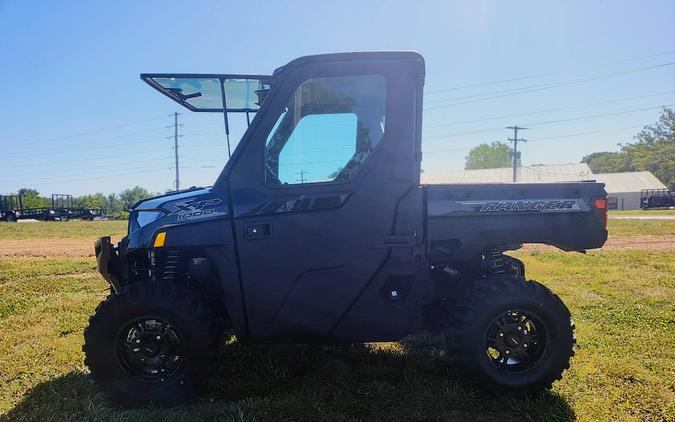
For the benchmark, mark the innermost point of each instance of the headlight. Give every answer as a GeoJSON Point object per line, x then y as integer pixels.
{"type": "Point", "coordinates": [143, 218]}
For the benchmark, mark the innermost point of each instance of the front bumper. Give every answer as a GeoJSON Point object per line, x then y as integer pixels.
{"type": "Point", "coordinates": [108, 261]}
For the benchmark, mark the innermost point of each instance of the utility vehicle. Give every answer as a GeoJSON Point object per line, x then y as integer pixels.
{"type": "Point", "coordinates": [318, 230]}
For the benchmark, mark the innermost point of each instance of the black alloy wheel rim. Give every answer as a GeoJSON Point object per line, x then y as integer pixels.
{"type": "Point", "coordinates": [516, 341]}
{"type": "Point", "coordinates": [149, 350]}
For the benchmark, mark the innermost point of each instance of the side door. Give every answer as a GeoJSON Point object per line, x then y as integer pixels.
{"type": "Point", "coordinates": [316, 186]}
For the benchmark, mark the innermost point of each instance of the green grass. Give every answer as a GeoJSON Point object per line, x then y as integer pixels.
{"type": "Point", "coordinates": [95, 229]}
{"type": "Point", "coordinates": [643, 213]}
{"type": "Point", "coordinates": [57, 229]}
{"type": "Point", "coordinates": [641, 227]}
{"type": "Point", "coordinates": [623, 303]}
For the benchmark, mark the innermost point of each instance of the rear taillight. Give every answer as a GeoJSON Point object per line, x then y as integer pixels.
{"type": "Point", "coordinates": [600, 209]}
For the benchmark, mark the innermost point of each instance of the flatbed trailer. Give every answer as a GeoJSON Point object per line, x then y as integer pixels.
{"type": "Point", "coordinates": [61, 209]}
{"type": "Point", "coordinates": [63, 205]}
{"type": "Point", "coordinates": [656, 198]}
{"type": "Point", "coordinates": [10, 206]}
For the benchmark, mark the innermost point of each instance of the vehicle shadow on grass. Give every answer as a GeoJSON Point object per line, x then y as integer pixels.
{"type": "Point", "coordinates": [307, 382]}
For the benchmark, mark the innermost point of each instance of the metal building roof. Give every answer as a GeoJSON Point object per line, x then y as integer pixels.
{"type": "Point", "coordinates": [526, 174]}
{"type": "Point", "coordinates": [633, 181]}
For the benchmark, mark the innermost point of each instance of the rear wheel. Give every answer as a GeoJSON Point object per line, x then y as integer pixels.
{"type": "Point", "coordinates": [10, 217]}
{"type": "Point", "coordinates": [151, 343]}
{"type": "Point", "coordinates": [512, 336]}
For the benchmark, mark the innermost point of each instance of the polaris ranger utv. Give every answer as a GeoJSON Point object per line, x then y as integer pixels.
{"type": "Point", "coordinates": [318, 230]}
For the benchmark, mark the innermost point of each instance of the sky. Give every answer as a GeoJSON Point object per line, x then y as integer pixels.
{"type": "Point", "coordinates": [75, 117]}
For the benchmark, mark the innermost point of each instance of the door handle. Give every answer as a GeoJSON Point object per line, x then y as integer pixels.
{"type": "Point", "coordinates": [257, 230]}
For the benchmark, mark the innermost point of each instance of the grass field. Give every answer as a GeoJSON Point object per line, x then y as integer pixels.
{"type": "Point", "coordinates": [641, 227]}
{"type": "Point", "coordinates": [623, 303]}
{"type": "Point", "coordinates": [89, 230]}
{"type": "Point", "coordinates": [643, 213]}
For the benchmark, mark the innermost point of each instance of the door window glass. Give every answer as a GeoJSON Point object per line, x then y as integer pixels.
{"type": "Point", "coordinates": [327, 131]}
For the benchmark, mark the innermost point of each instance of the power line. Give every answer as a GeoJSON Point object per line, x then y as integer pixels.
{"type": "Point", "coordinates": [106, 158]}
{"type": "Point", "coordinates": [61, 149]}
{"type": "Point", "coordinates": [115, 127]}
{"type": "Point", "coordinates": [570, 135]}
{"type": "Point", "coordinates": [481, 131]}
{"type": "Point", "coordinates": [91, 132]}
{"type": "Point", "coordinates": [508, 116]}
{"type": "Point", "coordinates": [78, 169]}
{"type": "Point", "coordinates": [548, 123]}
{"type": "Point", "coordinates": [585, 133]}
{"type": "Point", "coordinates": [205, 134]}
{"type": "Point", "coordinates": [504, 116]}
{"type": "Point", "coordinates": [426, 138]}
{"type": "Point", "coordinates": [533, 88]}
{"type": "Point", "coordinates": [512, 92]}
{"type": "Point", "coordinates": [449, 149]}
{"type": "Point", "coordinates": [80, 179]}
{"type": "Point", "coordinates": [552, 173]}
{"type": "Point", "coordinates": [145, 169]}
{"type": "Point", "coordinates": [555, 84]}
{"type": "Point", "coordinates": [538, 75]}
{"type": "Point", "coordinates": [595, 116]}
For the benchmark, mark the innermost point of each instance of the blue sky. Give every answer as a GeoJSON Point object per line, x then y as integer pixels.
{"type": "Point", "coordinates": [75, 117]}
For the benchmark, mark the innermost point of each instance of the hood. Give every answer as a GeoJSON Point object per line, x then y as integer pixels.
{"type": "Point", "coordinates": [195, 205]}
{"type": "Point", "coordinates": [156, 202]}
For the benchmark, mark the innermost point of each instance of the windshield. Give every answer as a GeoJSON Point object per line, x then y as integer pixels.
{"type": "Point", "coordinates": [212, 93]}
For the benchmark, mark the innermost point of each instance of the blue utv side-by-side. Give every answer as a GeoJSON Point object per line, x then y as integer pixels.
{"type": "Point", "coordinates": [318, 230]}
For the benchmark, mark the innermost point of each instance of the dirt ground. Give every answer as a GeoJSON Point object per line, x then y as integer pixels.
{"type": "Point", "coordinates": [643, 242]}
{"type": "Point", "coordinates": [642, 217]}
{"type": "Point", "coordinates": [46, 248]}
{"type": "Point", "coordinates": [82, 248]}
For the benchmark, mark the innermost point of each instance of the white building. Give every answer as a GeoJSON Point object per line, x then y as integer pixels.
{"type": "Point", "coordinates": [525, 174]}
{"type": "Point", "coordinates": [623, 189]}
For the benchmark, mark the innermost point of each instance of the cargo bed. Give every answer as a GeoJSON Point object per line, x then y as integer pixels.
{"type": "Point", "coordinates": [463, 218]}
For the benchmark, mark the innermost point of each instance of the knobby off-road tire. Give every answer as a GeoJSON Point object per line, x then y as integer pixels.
{"type": "Point", "coordinates": [500, 316]}
{"type": "Point", "coordinates": [186, 333]}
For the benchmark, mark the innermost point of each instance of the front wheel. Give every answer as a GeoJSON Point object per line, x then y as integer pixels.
{"type": "Point", "coordinates": [151, 343]}
{"type": "Point", "coordinates": [512, 336]}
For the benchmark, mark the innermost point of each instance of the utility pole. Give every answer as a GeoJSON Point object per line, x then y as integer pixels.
{"type": "Point", "coordinates": [301, 173]}
{"type": "Point", "coordinates": [515, 141]}
{"type": "Point", "coordinates": [175, 146]}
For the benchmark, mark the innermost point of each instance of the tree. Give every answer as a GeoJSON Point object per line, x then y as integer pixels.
{"type": "Point", "coordinates": [97, 200]}
{"type": "Point", "coordinates": [654, 151]}
{"type": "Point", "coordinates": [484, 156]}
{"type": "Point", "coordinates": [114, 202]}
{"type": "Point", "coordinates": [130, 196]}
{"type": "Point", "coordinates": [32, 198]}
{"type": "Point", "coordinates": [608, 162]}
